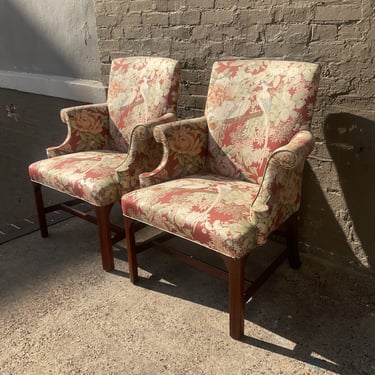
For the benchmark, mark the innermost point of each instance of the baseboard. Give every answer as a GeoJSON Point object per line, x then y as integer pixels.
{"type": "Point", "coordinates": [55, 86]}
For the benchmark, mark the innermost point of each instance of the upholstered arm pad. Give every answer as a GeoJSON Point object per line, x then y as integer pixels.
{"type": "Point", "coordinates": [184, 150]}
{"type": "Point", "coordinates": [88, 129]}
{"type": "Point", "coordinates": [279, 194]}
{"type": "Point", "coordinates": [144, 153]}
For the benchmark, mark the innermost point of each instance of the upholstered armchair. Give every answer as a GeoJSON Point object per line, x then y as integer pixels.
{"type": "Point", "coordinates": [229, 179]}
{"type": "Point", "coordinates": [108, 145]}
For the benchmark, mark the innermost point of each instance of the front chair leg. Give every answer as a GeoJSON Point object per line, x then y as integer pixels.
{"type": "Point", "coordinates": [292, 241]}
{"type": "Point", "coordinates": [131, 249]}
{"type": "Point", "coordinates": [105, 236]}
{"type": "Point", "coordinates": [40, 209]}
{"type": "Point", "coordinates": [236, 278]}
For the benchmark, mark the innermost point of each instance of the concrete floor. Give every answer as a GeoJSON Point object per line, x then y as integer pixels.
{"type": "Point", "coordinates": [61, 314]}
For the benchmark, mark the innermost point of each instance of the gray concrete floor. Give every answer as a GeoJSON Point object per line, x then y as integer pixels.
{"type": "Point", "coordinates": [61, 314]}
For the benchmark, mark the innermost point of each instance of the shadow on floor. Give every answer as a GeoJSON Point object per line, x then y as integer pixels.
{"type": "Point", "coordinates": [320, 316]}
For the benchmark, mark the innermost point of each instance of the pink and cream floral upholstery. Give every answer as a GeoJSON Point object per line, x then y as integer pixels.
{"type": "Point", "coordinates": [110, 144]}
{"type": "Point", "coordinates": [230, 178]}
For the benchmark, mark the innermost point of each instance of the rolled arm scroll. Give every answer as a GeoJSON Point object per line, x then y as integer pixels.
{"type": "Point", "coordinates": [144, 153]}
{"type": "Point", "coordinates": [184, 150]}
{"type": "Point", "coordinates": [279, 195]}
{"type": "Point", "coordinates": [88, 129]}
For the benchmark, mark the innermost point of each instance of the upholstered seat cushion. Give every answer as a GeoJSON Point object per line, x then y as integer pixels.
{"type": "Point", "coordinates": [88, 175]}
{"type": "Point", "coordinates": [207, 209]}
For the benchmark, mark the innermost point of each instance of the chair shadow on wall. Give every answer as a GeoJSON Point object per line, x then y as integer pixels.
{"type": "Point", "coordinates": [351, 142]}
{"type": "Point", "coordinates": [319, 227]}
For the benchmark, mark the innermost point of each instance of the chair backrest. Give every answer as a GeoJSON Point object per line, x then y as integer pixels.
{"type": "Point", "coordinates": [254, 107]}
{"type": "Point", "coordinates": [140, 89]}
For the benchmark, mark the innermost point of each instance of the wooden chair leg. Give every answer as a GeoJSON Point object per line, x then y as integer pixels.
{"type": "Point", "coordinates": [292, 241]}
{"type": "Point", "coordinates": [105, 236]}
{"type": "Point", "coordinates": [131, 249]}
{"type": "Point", "coordinates": [40, 209]}
{"type": "Point", "coordinates": [236, 278]}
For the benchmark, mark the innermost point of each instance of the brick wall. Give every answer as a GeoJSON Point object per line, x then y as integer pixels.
{"type": "Point", "coordinates": [339, 208]}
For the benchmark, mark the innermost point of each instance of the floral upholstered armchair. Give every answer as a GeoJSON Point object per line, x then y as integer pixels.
{"type": "Point", "coordinates": [229, 179]}
{"type": "Point", "coordinates": [108, 145]}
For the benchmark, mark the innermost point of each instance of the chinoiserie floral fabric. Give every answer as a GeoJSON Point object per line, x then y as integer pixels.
{"type": "Point", "coordinates": [110, 144]}
{"type": "Point", "coordinates": [207, 209]}
{"type": "Point", "coordinates": [88, 129]}
{"type": "Point", "coordinates": [89, 175]}
{"type": "Point", "coordinates": [254, 108]}
{"type": "Point", "coordinates": [279, 194]}
{"type": "Point", "coordinates": [140, 90]}
{"type": "Point", "coordinates": [251, 144]}
{"type": "Point", "coordinates": [187, 148]}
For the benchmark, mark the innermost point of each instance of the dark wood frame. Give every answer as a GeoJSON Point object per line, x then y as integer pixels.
{"type": "Point", "coordinates": [108, 232]}
{"type": "Point", "coordinates": [240, 290]}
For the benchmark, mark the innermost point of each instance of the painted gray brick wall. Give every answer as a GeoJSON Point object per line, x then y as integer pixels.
{"type": "Point", "coordinates": [338, 208]}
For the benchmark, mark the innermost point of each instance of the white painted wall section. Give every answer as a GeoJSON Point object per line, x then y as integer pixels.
{"type": "Point", "coordinates": [50, 47]}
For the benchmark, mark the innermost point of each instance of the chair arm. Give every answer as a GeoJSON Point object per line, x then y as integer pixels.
{"type": "Point", "coordinates": [88, 129]}
{"type": "Point", "coordinates": [279, 194]}
{"type": "Point", "coordinates": [185, 145]}
{"type": "Point", "coordinates": [144, 153]}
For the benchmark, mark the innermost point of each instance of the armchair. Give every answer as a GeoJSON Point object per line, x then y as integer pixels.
{"type": "Point", "coordinates": [229, 179]}
{"type": "Point", "coordinates": [108, 145]}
